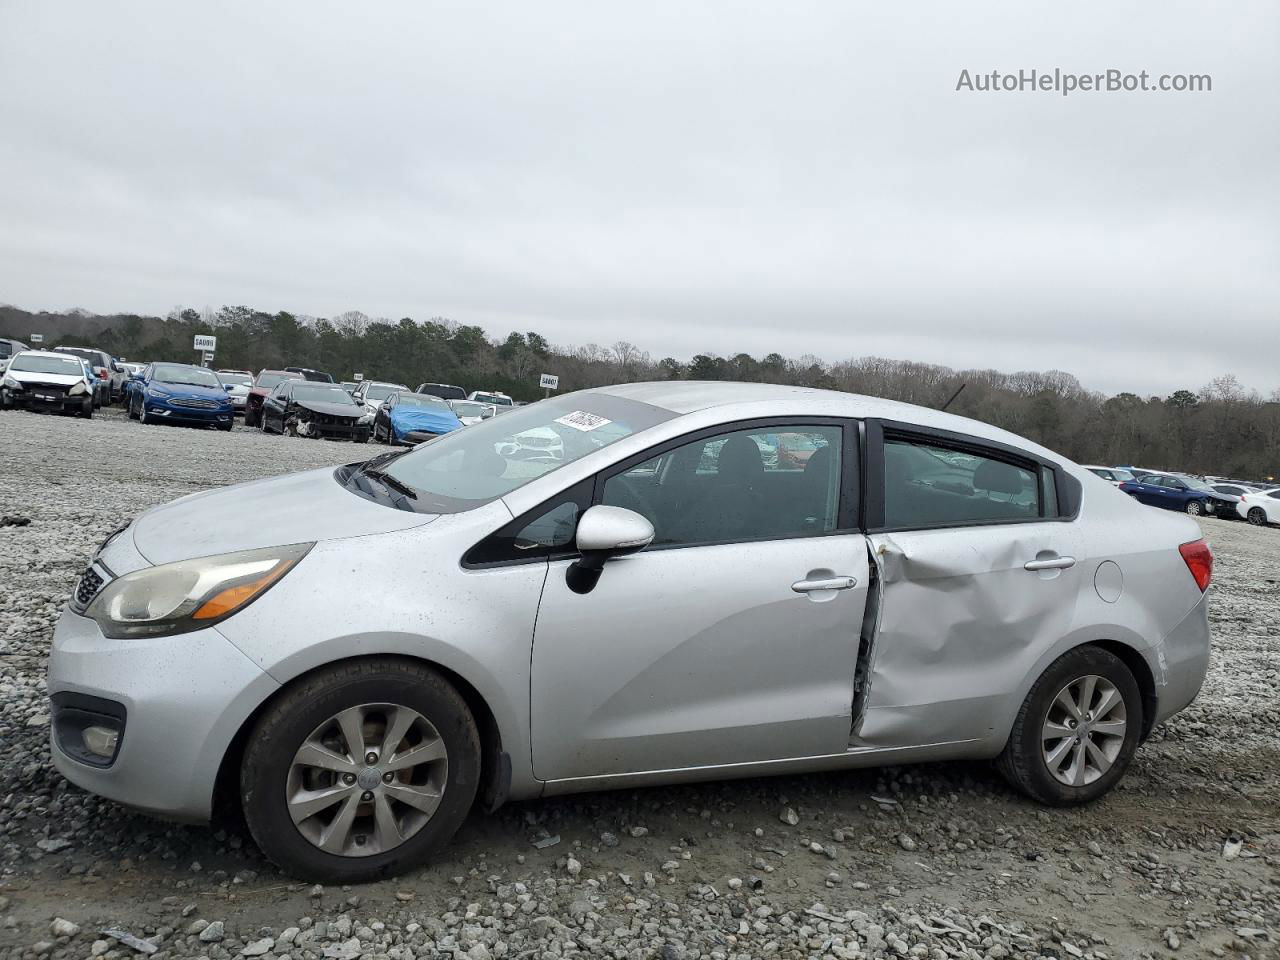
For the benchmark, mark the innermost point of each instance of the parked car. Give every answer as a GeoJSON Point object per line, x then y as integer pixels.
{"type": "Point", "coordinates": [1232, 489]}
{"type": "Point", "coordinates": [350, 385]}
{"type": "Point", "coordinates": [1113, 475]}
{"type": "Point", "coordinates": [1260, 507]}
{"type": "Point", "coordinates": [306, 373]}
{"type": "Point", "coordinates": [1019, 615]}
{"type": "Point", "coordinates": [538, 443]}
{"type": "Point", "coordinates": [499, 401]}
{"type": "Point", "coordinates": [263, 384]}
{"type": "Point", "coordinates": [181, 393]}
{"type": "Point", "coordinates": [238, 384]}
{"type": "Point", "coordinates": [303, 408]}
{"type": "Point", "coordinates": [130, 369]}
{"type": "Point", "coordinates": [46, 380]}
{"type": "Point", "coordinates": [8, 348]}
{"type": "Point", "coordinates": [370, 393]}
{"type": "Point", "coordinates": [471, 412]}
{"type": "Point", "coordinates": [413, 418]}
{"type": "Point", "coordinates": [111, 376]}
{"type": "Point", "coordinates": [1180, 493]}
{"type": "Point", "coordinates": [445, 391]}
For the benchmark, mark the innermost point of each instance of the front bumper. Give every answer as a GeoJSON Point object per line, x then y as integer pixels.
{"type": "Point", "coordinates": [36, 398]}
{"type": "Point", "coordinates": [183, 699]}
{"type": "Point", "coordinates": [176, 412]}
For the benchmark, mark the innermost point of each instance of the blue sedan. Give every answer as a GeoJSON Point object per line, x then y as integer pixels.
{"type": "Point", "coordinates": [180, 393]}
{"type": "Point", "coordinates": [1185, 494]}
{"type": "Point", "coordinates": [412, 418]}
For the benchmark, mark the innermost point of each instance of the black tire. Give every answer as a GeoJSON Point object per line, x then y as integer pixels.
{"type": "Point", "coordinates": [249, 419]}
{"type": "Point", "coordinates": [133, 407]}
{"type": "Point", "coordinates": [1257, 516]}
{"type": "Point", "coordinates": [308, 703]}
{"type": "Point", "coordinates": [86, 408]}
{"type": "Point", "coordinates": [1022, 762]}
{"type": "Point", "coordinates": [226, 426]}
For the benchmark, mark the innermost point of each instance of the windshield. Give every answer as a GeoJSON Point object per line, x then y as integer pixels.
{"type": "Point", "coordinates": [29, 363]}
{"type": "Point", "coordinates": [424, 402]}
{"type": "Point", "coordinates": [467, 468]}
{"type": "Point", "coordinates": [307, 391]}
{"type": "Point", "coordinates": [492, 398]}
{"type": "Point", "coordinates": [1124, 476]}
{"type": "Point", "coordinates": [469, 408]}
{"type": "Point", "coordinates": [443, 390]}
{"type": "Point", "coordinates": [1195, 484]}
{"type": "Point", "coordinates": [182, 375]}
{"type": "Point", "coordinates": [269, 380]}
{"type": "Point", "coordinates": [380, 391]}
{"type": "Point", "coordinates": [236, 379]}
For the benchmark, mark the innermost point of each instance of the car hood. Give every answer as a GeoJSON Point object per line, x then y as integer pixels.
{"type": "Point", "coordinates": [28, 376]}
{"type": "Point", "coordinates": [419, 419]}
{"type": "Point", "coordinates": [190, 390]}
{"type": "Point", "coordinates": [330, 409]}
{"type": "Point", "coordinates": [296, 508]}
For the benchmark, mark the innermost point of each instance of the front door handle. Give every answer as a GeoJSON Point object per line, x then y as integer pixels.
{"type": "Point", "coordinates": [829, 583]}
{"type": "Point", "coordinates": [1054, 563]}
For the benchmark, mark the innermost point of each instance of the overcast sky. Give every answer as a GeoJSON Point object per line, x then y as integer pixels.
{"type": "Point", "coordinates": [692, 177]}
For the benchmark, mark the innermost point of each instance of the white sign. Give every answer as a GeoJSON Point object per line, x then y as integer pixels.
{"type": "Point", "coordinates": [581, 420]}
{"type": "Point", "coordinates": [549, 381]}
{"type": "Point", "coordinates": [205, 343]}
{"type": "Point", "coordinates": [358, 376]}
{"type": "Point", "coordinates": [37, 338]}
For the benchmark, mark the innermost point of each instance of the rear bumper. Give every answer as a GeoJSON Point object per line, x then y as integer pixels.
{"type": "Point", "coordinates": [1182, 660]}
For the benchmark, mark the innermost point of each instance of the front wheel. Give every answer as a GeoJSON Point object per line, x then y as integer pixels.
{"type": "Point", "coordinates": [1195, 508]}
{"type": "Point", "coordinates": [1077, 730]}
{"type": "Point", "coordinates": [86, 408]}
{"type": "Point", "coordinates": [133, 407]}
{"type": "Point", "coordinates": [1257, 516]}
{"type": "Point", "coordinates": [360, 771]}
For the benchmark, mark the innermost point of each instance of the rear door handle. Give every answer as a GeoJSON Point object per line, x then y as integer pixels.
{"type": "Point", "coordinates": [830, 583]}
{"type": "Point", "coordinates": [1055, 563]}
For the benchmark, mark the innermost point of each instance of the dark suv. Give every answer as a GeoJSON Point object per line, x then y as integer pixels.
{"type": "Point", "coordinates": [306, 373]}
{"type": "Point", "coordinates": [445, 391]}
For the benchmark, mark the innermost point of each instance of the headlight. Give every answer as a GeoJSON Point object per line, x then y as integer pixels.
{"type": "Point", "coordinates": [12, 384]}
{"type": "Point", "coordinates": [367, 418]}
{"type": "Point", "coordinates": [157, 392]}
{"type": "Point", "coordinates": [78, 388]}
{"type": "Point", "coordinates": [190, 594]}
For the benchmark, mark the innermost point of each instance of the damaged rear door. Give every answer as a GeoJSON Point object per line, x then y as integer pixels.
{"type": "Point", "coordinates": [977, 571]}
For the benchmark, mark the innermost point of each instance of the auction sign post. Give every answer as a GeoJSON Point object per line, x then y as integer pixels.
{"type": "Point", "coordinates": [207, 345]}
{"type": "Point", "coordinates": [37, 338]}
{"type": "Point", "coordinates": [549, 382]}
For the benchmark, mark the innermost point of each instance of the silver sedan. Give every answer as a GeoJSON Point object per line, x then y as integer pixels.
{"type": "Point", "coordinates": [709, 581]}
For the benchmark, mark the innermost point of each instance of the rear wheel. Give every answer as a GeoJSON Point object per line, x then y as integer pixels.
{"type": "Point", "coordinates": [362, 770]}
{"type": "Point", "coordinates": [1257, 516]}
{"type": "Point", "coordinates": [1077, 730]}
{"type": "Point", "coordinates": [1195, 508]}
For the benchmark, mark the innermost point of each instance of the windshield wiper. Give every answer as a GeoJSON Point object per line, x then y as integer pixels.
{"type": "Point", "coordinates": [387, 480]}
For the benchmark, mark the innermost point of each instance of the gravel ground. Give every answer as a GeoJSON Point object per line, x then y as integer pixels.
{"type": "Point", "coordinates": [930, 861]}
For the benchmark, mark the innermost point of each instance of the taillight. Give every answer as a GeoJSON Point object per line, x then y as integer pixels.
{"type": "Point", "coordinates": [1199, 560]}
{"type": "Point", "coordinates": [102, 372]}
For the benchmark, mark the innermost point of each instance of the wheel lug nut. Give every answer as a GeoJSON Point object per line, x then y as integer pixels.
{"type": "Point", "coordinates": [348, 778]}
{"type": "Point", "coordinates": [366, 795]}
{"type": "Point", "coordinates": [370, 757]}
{"type": "Point", "coordinates": [388, 777]}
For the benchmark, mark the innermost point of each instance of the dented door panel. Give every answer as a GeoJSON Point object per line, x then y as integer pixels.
{"type": "Point", "coordinates": [962, 621]}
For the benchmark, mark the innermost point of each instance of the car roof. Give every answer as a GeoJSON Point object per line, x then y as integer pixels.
{"type": "Point", "coordinates": [690, 396]}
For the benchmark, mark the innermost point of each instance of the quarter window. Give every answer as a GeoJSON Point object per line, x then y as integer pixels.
{"type": "Point", "coordinates": [756, 484]}
{"type": "Point", "coordinates": [927, 484]}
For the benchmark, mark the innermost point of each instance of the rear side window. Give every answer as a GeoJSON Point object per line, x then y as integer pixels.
{"type": "Point", "coordinates": [928, 484]}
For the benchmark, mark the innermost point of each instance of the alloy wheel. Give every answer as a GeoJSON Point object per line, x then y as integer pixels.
{"type": "Point", "coordinates": [1084, 730]}
{"type": "Point", "coordinates": [1194, 508]}
{"type": "Point", "coordinates": [367, 779]}
{"type": "Point", "coordinates": [1257, 516]}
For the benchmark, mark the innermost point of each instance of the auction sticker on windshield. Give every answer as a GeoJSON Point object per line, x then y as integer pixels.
{"type": "Point", "coordinates": [581, 420]}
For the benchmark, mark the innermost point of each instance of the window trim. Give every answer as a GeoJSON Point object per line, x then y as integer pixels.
{"type": "Point", "coordinates": [848, 509]}
{"type": "Point", "coordinates": [1068, 488]}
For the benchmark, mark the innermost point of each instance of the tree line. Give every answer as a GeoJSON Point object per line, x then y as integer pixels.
{"type": "Point", "coordinates": [1220, 428]}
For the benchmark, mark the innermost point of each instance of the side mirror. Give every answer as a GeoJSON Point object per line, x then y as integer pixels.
{"type": "Point", "coordinates": [228, 387]}
{"type": "Point", "coordinates": [605, 533]}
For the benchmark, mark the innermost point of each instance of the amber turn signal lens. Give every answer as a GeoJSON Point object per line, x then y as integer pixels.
{"type": "Point", "coordinates": [228, 600]}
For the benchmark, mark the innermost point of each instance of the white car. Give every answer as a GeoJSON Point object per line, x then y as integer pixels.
{"type": "Point", "coordinates": [45, 380]}
{"type": "Point", "coordinates": [1113, 475]}
{"type": "Point", "coordinates": [371, 393]}
{"type": "Point", "coordinates": [500, 401]}
{"type": "Point", "coordinates": [238, 386]}
{"type": "Point", "coordinates": [471, 412]}
{"type": "Point", "coordinates": [537, 443]}
{"type": "Point", "coordinates": [1260, 507]}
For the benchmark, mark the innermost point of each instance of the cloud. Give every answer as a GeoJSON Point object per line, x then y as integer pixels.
{"type": "Point", "coordinates": [690, 177]}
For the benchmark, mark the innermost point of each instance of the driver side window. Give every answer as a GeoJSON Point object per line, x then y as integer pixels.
{"type": "Point", "coordinates": [758, 484]}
